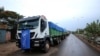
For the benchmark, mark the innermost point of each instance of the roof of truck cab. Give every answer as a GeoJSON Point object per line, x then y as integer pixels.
{"type": "Point", "coordinates": [29, 18]}
{"type": "Point", "coordinates": [54, 26]}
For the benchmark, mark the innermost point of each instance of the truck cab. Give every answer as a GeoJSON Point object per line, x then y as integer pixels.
{"type": "Point", "coordinates": [39, 32]}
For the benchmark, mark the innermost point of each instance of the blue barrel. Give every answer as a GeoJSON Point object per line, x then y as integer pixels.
{"type": "Point", "coordinates": [2, 35]}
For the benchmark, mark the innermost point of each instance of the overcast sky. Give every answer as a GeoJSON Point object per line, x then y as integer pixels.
{"type": "Point", "coordinates": [69, 14]}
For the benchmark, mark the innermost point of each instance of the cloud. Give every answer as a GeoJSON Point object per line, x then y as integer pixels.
{"type": "Point", "coordinates": [58, 11]}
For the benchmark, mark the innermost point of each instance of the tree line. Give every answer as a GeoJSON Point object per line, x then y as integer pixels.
{"type": "Point", "coordinates": [92, 30]}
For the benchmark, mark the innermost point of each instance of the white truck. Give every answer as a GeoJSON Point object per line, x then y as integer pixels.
{"type": "Point", "coordinates": [37, 32]}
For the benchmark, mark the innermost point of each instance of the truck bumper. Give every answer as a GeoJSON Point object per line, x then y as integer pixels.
{"type": "Point", "coordinates": [34, 43]}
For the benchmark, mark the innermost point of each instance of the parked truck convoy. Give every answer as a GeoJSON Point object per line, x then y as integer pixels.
{"type": "Point", "coordinates": [38, 32]}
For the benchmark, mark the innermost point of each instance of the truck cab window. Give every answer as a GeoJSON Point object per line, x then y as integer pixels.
{"type": "Point", "coordinates": [43, 25]}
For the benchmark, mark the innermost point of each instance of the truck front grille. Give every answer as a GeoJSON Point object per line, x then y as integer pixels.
{"type": "Point", "coordinates": [31, 34]}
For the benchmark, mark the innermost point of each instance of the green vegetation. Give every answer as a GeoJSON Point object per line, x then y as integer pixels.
{"type": "Point", "coordinates": [6, 14]}
{"type": "Point", "coordinates": [93, 29]}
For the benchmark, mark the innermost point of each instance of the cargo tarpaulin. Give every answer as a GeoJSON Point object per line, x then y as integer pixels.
{"type": "Point", "coordinates": [54, 26]}
{"type": "Point", "coordinates": [25, 39]}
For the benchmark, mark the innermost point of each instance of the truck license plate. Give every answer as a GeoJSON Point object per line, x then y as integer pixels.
{"type": "Point", "coordinates": [36, 44]}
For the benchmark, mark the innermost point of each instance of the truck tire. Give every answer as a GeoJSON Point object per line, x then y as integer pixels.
{"type": "Point", "coordinates": [60, 40]}
{"type": "Point", "coordinates": [46, 47]}
{"type": "Point", "coordinates": [57, 41]}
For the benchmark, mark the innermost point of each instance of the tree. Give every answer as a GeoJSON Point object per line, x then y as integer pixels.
{"type": "Point", "coordinates": [93, 28]}
{"type": "Point", "coordinates": [1, 9]}
{"type": "Point", "coordinates": [11, 17]}
{"type": "Point", "coordinates": [9, 14]}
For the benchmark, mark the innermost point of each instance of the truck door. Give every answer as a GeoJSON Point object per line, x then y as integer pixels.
{"type": "Point", "coordinates": [43, 25]}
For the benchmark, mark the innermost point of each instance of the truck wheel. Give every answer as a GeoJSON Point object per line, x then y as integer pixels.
{"type": "Point", "coordinates": [46, 47]}
{"type": "Point", "coordinates": [57, 42]}
{"type": "Point", "coordinates": [60, 40]}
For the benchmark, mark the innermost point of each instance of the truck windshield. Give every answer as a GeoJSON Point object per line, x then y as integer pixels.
{"type": "Point", "coordinates": [29, 24]}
